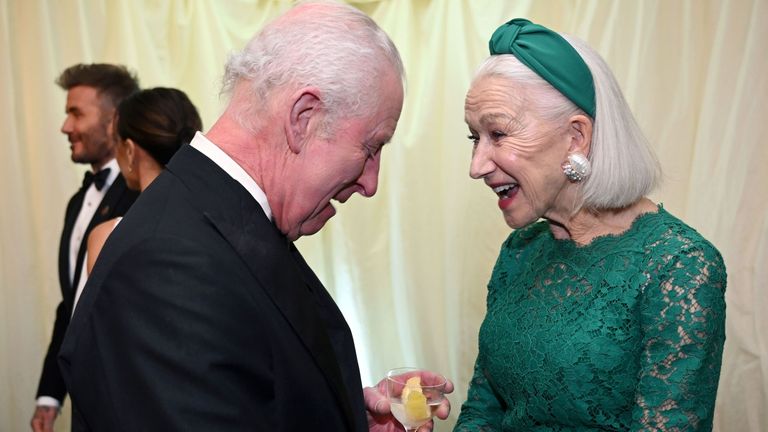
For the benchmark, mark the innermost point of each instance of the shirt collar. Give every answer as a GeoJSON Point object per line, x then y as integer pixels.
{"type": "Point", "coordinates": [114, 170]}
{"type": "Point", "coordinates": [225, 162]}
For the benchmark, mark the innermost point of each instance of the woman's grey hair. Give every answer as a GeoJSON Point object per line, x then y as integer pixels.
{"type": "Point", "coordinates": [336, 48]}
{"type": "Point", "coordinates": [624, 167]}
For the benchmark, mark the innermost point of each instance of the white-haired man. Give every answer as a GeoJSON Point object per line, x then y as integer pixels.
{"type": "Point", "coordinates": [201, 314]}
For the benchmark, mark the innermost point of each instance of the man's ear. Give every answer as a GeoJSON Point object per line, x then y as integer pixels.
{"type": "Point", "coordinates": [302, 117]}
{"type": "Point", "coordinates": [112, 126]}
{"type": "Point", "coordinates": [580, 132]}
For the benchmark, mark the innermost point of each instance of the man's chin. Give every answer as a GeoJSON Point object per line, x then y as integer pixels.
{"type": "Point", "coordinates": [76, 158]}
{"type": "Point", "coordinates": [317, 222]}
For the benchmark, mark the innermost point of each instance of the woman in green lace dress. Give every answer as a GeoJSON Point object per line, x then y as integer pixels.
{"type": "Point", "coordinates": [604, 311]}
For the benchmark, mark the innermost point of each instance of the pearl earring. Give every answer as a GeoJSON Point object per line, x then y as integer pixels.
{"type": "Point", "coordinates": [577, 167]}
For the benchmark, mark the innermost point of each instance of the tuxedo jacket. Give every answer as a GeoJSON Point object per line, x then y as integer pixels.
{"type": "Point", "coordinates": [201, 316]}
{"type": "Point", "coordinates": [115, 203]}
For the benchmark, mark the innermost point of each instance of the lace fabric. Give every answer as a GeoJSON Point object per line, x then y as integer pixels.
{"type": "Point", "coordinates": [625, 333]}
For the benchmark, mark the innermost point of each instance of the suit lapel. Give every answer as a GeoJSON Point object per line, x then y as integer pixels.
{"type": "Point", "coordinates": [73, 208]}
{"type": "Point", "coordinates": [109, 207]}
{"type": "Point", "coordinates": [266, 252]}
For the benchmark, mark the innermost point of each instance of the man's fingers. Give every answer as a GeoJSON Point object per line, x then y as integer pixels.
{"type": "Point", "coordinates": [444, 409]}
{"type": "Point", "coordinates": [375, 402]}
{"type": "Point", "coordinates": [37, 424]}
{"type": "Point", "coordinates": [448, 386]}
{"type": "Point", "coordinates": [426, 427]}
{"type": "Point", "coordinates": [42, 420]}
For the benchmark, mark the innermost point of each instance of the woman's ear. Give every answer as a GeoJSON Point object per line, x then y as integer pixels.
{"type": "Point", "coordinates": [303, 113]}
{"type": "Point", "coordinates": [580, 131]}
{"type": "Point", "coordinates": [130, 151]}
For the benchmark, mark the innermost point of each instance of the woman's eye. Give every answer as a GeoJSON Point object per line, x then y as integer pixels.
{"type": "Point", "coordinates": [498, 135]}
{"type": "Point", "coordinates": [474, 138]}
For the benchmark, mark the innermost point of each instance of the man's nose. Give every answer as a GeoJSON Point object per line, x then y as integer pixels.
{"type": "Point", "coordinates": [369, 179]}
{"type": "Point", "coordinates": [66, 127]}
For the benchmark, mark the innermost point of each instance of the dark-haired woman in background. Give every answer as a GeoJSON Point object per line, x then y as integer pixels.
{"type": "Point", "coordinates": [151, 126]}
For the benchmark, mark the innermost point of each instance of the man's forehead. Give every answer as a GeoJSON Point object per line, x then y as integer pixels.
{"type": "Point", "coordinates": [83, 90]}
{"type": "Point", "coordinates": [82, 96]}
{"type": "Point", "coordinates": [384, 130]}
{"type": "Point", "coordinates": [84, 93]}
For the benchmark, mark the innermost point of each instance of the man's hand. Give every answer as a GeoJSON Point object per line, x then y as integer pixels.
{"type": "Point", "coordinates": [42, 420]}
{"type": "Point", "coordinates": [380, 418]}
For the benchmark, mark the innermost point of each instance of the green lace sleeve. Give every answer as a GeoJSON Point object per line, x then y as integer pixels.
{"type": "Point", "coordinates": [482, 411]}
{"type": "Point", "coordinates": [683, 325]}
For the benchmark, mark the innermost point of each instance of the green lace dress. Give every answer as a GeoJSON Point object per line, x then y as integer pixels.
{"type": "Point", "coordinates": [624, 334]}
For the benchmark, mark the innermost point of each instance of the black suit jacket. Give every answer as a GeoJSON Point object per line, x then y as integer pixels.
{"type": "Point", "coordinates": [200, 316]}
{"type": "Point", "coordinates": [115, 203]}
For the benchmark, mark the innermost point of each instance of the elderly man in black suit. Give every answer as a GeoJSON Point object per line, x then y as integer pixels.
{"type": "Point", "coordinates": [93, 93]}
{"type": "Point", "coordinates": [201, 314]}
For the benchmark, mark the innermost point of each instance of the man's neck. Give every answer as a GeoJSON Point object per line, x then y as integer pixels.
{"type": "Point", "coordinates": [97, 166]}
{"type": "Point", "coordinates": [234, 140]}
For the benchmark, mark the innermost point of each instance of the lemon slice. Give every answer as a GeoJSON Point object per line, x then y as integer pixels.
{"type": "Point", "coordinates": [416, 408]}
{"type": "Point", "coordinates": [412, 384]}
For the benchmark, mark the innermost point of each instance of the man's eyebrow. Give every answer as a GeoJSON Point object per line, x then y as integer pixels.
{"type": "Point", "coordinates": [381, 141]}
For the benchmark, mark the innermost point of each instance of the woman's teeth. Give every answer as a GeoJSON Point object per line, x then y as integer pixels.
{"type": "Point", "coordinates": [504, 190]}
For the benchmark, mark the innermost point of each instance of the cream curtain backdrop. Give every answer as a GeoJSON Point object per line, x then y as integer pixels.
{"type": "Point", "coordinates": [409, 266]}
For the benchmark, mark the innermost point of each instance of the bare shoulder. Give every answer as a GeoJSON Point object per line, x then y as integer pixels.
{"type": "Point", "coordinates": [100, 232]}
{"type": "Point", "coordinates": [97, 238]}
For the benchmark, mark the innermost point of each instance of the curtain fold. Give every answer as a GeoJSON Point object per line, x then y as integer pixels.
{"type": "Point", "coordinates": [409, 266]}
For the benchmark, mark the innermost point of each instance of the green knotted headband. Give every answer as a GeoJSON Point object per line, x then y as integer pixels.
{"type": "Point", "coordinates": [550, 56]}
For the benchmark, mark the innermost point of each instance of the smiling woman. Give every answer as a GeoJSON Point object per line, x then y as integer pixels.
{"type": "Point", "coordinates": [608, 314]}
{"type": "Point", "coordinates": [509, 137]}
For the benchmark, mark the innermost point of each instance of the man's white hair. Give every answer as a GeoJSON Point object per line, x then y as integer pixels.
{"type": "Point", "coordinates": [329, 45]}
{"type": "Point", "coordinates": [624, 167]}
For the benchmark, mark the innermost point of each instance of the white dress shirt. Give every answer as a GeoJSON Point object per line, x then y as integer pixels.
{"type": "Point", "coordinates": [91, 202]}
{"type": "Point", "coordinates": [217, 155]}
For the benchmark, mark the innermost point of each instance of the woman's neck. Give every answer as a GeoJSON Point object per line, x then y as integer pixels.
{"type": "Point", "coordinates": [586, 225]}
{"type": "Point", "coordinates": [148, 174]}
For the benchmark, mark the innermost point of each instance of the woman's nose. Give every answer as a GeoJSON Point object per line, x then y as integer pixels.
{"type": "Point", "coordinates": [482, 161]}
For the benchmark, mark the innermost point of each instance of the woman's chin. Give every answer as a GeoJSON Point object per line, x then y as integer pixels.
{"type": "Point", "coordinates": [516, 221]}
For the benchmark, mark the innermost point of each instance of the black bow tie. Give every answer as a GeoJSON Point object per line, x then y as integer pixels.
{"type": "Point", "coordinates": [97, 179]}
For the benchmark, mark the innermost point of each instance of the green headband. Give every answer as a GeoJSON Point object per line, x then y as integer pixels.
{"type": "Point", "coordinates": [550, 56]}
